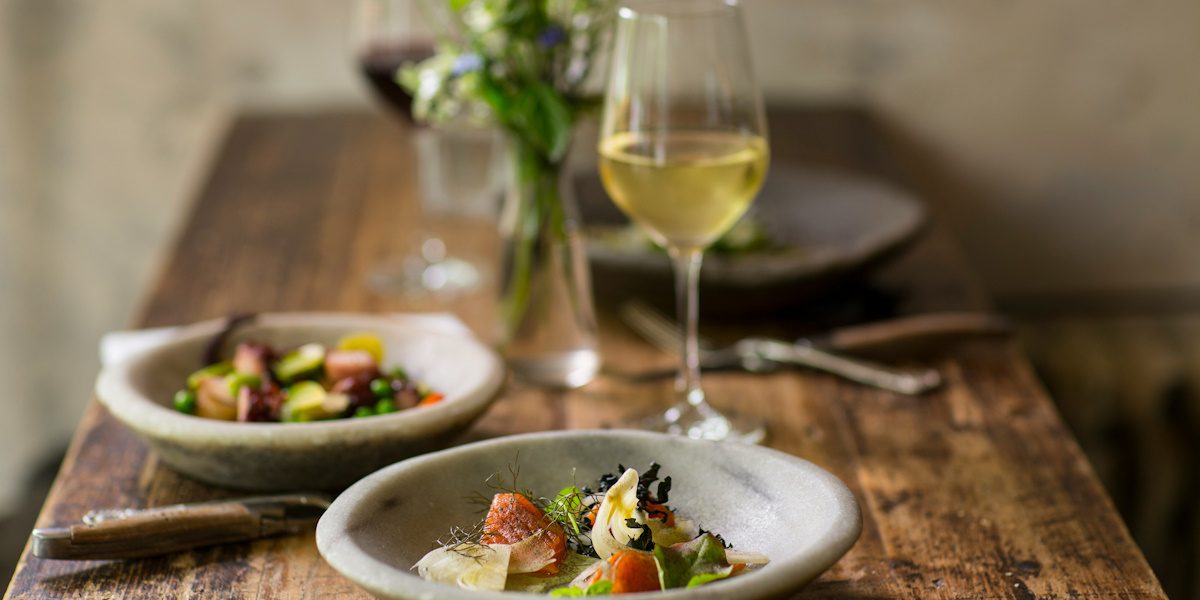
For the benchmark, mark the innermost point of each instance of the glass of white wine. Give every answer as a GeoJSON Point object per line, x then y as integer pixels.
{"type": "Point", "coordinates": [683, 151]}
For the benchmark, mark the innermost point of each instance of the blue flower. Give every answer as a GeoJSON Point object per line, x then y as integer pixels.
{"type": "Point", "coordinates": [551, 36]}
{"type": "Point", "coordinates": [465, 63]}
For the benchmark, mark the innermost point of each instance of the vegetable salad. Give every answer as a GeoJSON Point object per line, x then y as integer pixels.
{"type": "Point", "coordinates": [621, 537]}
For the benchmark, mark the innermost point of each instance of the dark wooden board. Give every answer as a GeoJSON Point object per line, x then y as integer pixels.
{"type": "Point", "coordinates": [977, 491]}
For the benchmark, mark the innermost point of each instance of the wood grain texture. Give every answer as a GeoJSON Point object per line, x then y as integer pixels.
{"type": "Point", "coordinates": [977, 491]}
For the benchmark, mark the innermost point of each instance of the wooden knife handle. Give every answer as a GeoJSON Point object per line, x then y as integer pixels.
{"type": "Point", "coordinates": [917, 334]}
{"type": "Point", "coordinates": [157, 531]}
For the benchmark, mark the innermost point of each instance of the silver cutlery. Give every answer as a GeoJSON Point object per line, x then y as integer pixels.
{"type": "Point", "coordinates": [759, 354]}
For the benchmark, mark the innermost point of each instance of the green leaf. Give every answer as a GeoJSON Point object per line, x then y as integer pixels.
{"type": "Point", "coordinates": [680, 564]}
{"type": "Point", "coordinates": [557, 120]}
{"type": "Point", "coordinates": [703, 578]}
{"type": "Point", "coordinates": [566, 508]}
{"type": "Point", "coordinates": [600, 588]}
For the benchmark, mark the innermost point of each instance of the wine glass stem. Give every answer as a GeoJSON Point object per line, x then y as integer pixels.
{"type": "Point", "coordinates": [687, 275]}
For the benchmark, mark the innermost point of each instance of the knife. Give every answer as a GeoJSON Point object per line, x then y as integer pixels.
{"type": "Point", "coordinates": [900, 337]}
{"type": "Point", "coordinates": [139, 533]}
{"type": "Point", "coordinates": [904, 337]}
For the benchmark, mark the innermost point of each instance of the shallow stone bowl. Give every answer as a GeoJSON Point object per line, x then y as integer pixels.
{"type": "Point", "coordinates": [301, 456]}
{"type": "Point", "coordinates": [799, 515]}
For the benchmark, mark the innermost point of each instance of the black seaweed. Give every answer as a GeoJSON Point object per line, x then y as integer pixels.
{"type": "Point", "coordinates": [645, 480]}
{"type": "Point", "coordinates": [645, 540]}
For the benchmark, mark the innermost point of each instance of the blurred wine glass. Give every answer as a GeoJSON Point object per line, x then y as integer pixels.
{"type": "Point", "coordinates": [683, 151]}
{"type": "Point", "coordinates": [459, 165]}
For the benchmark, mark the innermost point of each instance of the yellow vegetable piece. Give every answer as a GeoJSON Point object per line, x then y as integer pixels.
{"type": "Point", "coordinates": [367, 342]}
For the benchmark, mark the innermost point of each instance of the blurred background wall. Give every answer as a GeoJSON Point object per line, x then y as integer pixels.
{"type": "Point", "coordinates": [1064, 139]}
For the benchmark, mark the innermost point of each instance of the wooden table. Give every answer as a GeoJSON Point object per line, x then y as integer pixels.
{"type": "Point", "coordinates": [977, 491]}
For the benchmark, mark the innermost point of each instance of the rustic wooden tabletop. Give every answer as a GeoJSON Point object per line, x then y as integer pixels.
{"type": "Point", "coordinates": [976, 491]}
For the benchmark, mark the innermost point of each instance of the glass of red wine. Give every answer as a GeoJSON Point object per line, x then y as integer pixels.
{"type": "Point", "coordinates": [460, 172]}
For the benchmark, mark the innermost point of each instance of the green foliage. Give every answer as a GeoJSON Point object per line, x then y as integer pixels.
{"type": "Point", "coordinates": [566, 509]}
{"type": "Point", "coordinates": [518, 64]}
{"type": "Point", "coordinates": [600, 588]}
{"type": "Point", "coordinates": [691, 563]}
{"type": "Point", "coordinates": [703, 578]}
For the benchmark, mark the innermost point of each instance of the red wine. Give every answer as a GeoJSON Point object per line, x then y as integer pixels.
{"type": "Point", "coordinates": [379, 64]}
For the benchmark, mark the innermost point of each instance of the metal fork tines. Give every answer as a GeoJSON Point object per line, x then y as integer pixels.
{"type": "Point", "coordinates": [757, 354]}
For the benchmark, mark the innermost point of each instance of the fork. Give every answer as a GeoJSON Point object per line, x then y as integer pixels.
{"type": "Point", "coordinates": [760, 355]}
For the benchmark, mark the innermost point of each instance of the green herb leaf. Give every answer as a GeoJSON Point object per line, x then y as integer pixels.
{"type": "Point", "coordinates": [703, 578]}
{"type": "Point", "coordinates": [566, 592]}
{"type": "Point", "coordinates": [600, 588]}
{"type": "Point", "coordinates": [565, 508]}
{"type": "Point", "coordinates": [557, 120]}
{"type": "Point", "coordinates": [679, 565]}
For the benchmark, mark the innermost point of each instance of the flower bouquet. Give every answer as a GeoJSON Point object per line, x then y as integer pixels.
{"type": "Point", "coordinates": [525, 66]}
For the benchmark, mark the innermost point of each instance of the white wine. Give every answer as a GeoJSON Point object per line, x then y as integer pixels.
{"type": "Point", "coordinates": [686, 188]}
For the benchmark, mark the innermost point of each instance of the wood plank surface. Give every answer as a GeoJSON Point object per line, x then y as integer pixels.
{"type": "Point", "coordinates": [977, 491]}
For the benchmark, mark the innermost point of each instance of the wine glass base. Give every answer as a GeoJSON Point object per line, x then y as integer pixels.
{"type": "Point", "coordinates": [417, 277]}
{"type": "Point", "coordinates": [705, 423]}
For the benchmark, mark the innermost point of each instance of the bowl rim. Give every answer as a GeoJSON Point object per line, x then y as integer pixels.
{"type": "Point", "coordinates": [789, 575]}
{"type": "Point", "coordinates": [115, 389]}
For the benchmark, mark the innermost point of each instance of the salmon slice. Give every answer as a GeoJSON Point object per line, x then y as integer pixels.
{"type": "Point", "coordinates": [634, 571]}
{"type": "Point", "coordinates": [512, 518]}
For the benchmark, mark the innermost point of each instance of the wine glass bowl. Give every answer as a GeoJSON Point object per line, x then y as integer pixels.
{"type": "Point", "coordinates": [683, 151]}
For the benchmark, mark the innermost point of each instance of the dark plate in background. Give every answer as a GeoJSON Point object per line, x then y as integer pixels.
{"type": "Point", "coordinates": [830, 228]}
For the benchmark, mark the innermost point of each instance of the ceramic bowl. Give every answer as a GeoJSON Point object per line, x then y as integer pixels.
{"type": "Point", "coordinates": [799, 515]}
{"type": "Point", "coordinates": [292, 456]}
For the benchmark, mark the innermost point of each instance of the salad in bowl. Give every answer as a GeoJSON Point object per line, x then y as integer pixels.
{"type": "Point", "coordinates": [616, 537]}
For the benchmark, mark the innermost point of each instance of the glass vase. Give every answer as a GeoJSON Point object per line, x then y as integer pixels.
{"type": "Point", "coordinates": [548, 323]}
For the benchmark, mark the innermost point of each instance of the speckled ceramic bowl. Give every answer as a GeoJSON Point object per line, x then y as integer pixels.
{"type": "Point", "coordinates": [799, 515]}
{"type": "Point", "coordinates": [290, 456]}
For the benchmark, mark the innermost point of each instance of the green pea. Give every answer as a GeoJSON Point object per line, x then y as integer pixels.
{"type": "Point", "coordinates": [382, 388]}
{"type": "Point", "coordinates": [385, 406]}
{"type": "Point", "coordinates": [185, 401]}
{"type": "Point", "coordinates": [399, 373]}
{"type": "Point", "coordinates": [364, 411]}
